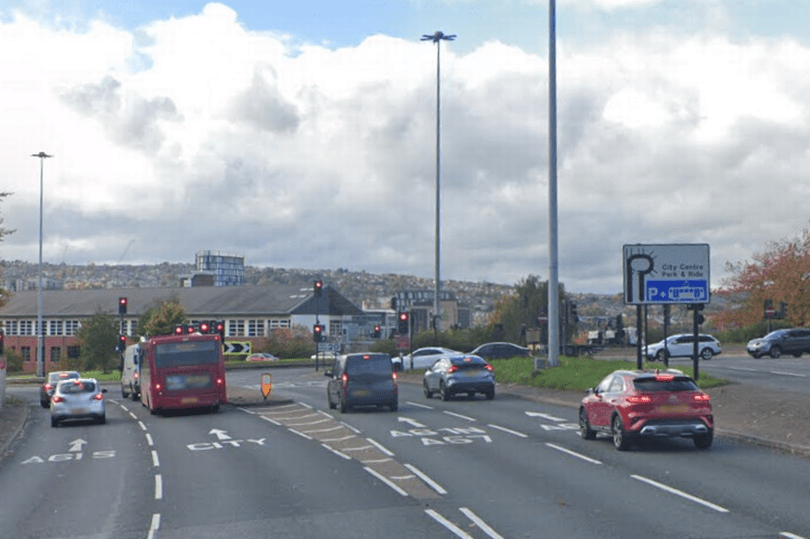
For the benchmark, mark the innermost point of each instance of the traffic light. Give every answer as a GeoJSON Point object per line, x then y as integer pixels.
{"type": "Point", "coordinates": [179, 329]}
{"type": "Point", "coordinates": [205, 327]}
{"type": "Point", "coordinates": [402, 323]}
{"type": "Point", "coordinates": [317, 288]}
{"type": "Point", "coordinates": [317, 333]}
{"type": "Point", "coordinates": [377, 332]}
{"type": "Point", "coordinates": [122, 342]}
{"type": "Point", "coordinates": [122, 306]}
{"type": "Point", "coordinates": [574, 315]}
{"type": "Point", "coordinates": [219, 327]}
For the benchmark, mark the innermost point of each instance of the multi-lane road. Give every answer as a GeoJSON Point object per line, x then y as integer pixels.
{"type": "Point", "coordinates": [508, 468]}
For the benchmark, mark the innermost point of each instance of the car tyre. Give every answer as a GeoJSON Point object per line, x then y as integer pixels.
{"type": "Point", "coordinates": [428, 392]}
{"type": "Point", "coordinates": [344, 406]}
{"type": "Point", "coordinates": [706, 354]}
{"type": "Point", "coordinates": [621, 440]}
{"type": "Point", "coordinates": [124, 394]}
{"type": "Point", "coordinates": [102, 419]}
{"type": "Point", "coordinates": [395, 406]}
{"type": "Point", "coordinates": [585, 429]}
{"type": "Point", "coordinates": [54, 422]}
{"type": "Point", "coordinates": [775, 352]}
{"type": "Point", "coordinates": [704, 441]}
{"type": "Point", "coordinates": [756, 356]}
{"type": "Point", "coordinates": [44, 404]}
{"type": "Point", "coordinates": [490, 394]}
{"type": "Point", "coordinates": [444, 393]}
{"type": "Point", "coordinates": [797, 354]}
{"type": "Point", "coordinates": [660, 356]}
{"type": "Point", "coordinates": [332, 405]}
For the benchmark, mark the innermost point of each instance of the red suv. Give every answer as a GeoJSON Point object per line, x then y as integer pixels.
{"type": "Point", "coordinates": [630, 405]}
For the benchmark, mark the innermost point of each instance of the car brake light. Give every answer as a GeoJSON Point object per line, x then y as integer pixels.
{"type": "Point", "coordinates": [57, 399]}
{"type": "Point", "coordinates": [452, 369]}
{"type": "Point", "coordinates": [48, 387]}
{"type": "Point", "coordinates": [158, 387]}
{"type": "Point", "coordinates": [99, 396]}
{"type": "Point", "coordinates": [136, 375]}
{"type": "Point", "coordinates": [344, 378]}
{"type": "Point", "coordinates": [664, 377]}
{"type": "Point", "coordinates": [394, 376]}
{"type": "Point", "coordinates": [702, 397]}
{"type": "Point", "coordinates": [639, 399]}
{"type": "Point", "coordinates": [489, 367]}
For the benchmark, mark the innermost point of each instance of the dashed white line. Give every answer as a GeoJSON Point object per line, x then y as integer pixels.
{"type": "Point", "coordinates": [447, 524]}
{"type": "Point", "coordinates": [149, 440]}
{"type": "Point", "coordinates": [380, 447]}
{"type": "Point", "coordinates": [154, 526]}
{"type": "Point", "coordinates": [471, 419]}
{"type": "Point", "coordinates": [143, 427]}
{"type": "Point", "coordinates": [788, 535]}
{"type": "Point", "coordinates": [420, 405]}
{"type": "Point", "coordinates": [784, 373]}
{"type": "Point", "coordinates": [251, 412]}
{"type": "Point", "coordinates": [573, 454]}
{"type": "Point", "coordinates": [155, 461]}
{"type": "Point", "coordinates": [433, 484]}
{"type": "Point", "coordinates": [273, 421]}
{"type": "Point", "coordinates": [680, 493]}
{"type": "Point", "coordinates": [301, 434]}
{"type": "Point", "coordinates": [158, 487]}
{"type": "Point", "coordinates": [510, 431]}
{"type": "Point", "coordinates": [480, 523]}
{"type": "Point", "coordinates": [336, 452]}
{"type": "Point", "coordinates": [385, 480]}
{"type": "Point", "coordinates": [351, 428]}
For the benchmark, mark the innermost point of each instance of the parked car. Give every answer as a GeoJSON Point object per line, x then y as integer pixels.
{"type": "Point", "coordinates": [459, 374]}
{"type": "Point", "coordinates": [422, 358]}
{"type": "Point", "coordinates": [782, 341]}
{"type": "Point", "coordinates": [364, 379]}
{"type": "Point", "coordinates": [683, 345]}
{"type": "Point", "coordinates": [500, 350]}
{"type": "Point", "coordinates": [630, 405]}
{"type": "Point", "coordinates": [261, 356]}
{"type": "Point", "coordinates": [80, 398]}
{"type": "Point", "coordinates": [49, 385]}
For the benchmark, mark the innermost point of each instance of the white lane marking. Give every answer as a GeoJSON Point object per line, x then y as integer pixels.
{"type": "Point", "coordinates": [480, 523]}
{"type": "Point", "coordinates": [433, 484]}
{"type": "Point", "coordinates": [419, 405]}
{"type": "Point", "coordinates": [273, 421]}
{"type": "Point", "coordinates": [788, 535]}
{"type": "Point", "coordinates": [330, 429]}
{"type": "Point", "coordinates": [154, 526]}
{"type": "Point", "coordinates": [158, 487]}
{"type": "Point", "coordinates": [336, 452]}
{"type": "Point", "coordinates": [155, 461]}
{"type": "Point", "coordinates": [510, 431]}
{"type": "Point", "coordinates": [460, 416]}
{"type": "Point", "coordinates": [376, 461]}
{"type": "Point", "coordinates": [143, 427]}
{"type": "Point", "coordinates": [341, 439]}
{"type": "Point", "coordinates": [458, 532]}
{"type": "Point", "coordinates": [743, 369]}
{"type": "Point", "coordinates": [359, 448]}
{"type": "Point", "coordinates": [353, 429]}
{"type": "Point", "coordinates": [412, 422]}
{"type": "Point", "coordinates": [573, 454]}
{"type": "Point", "coordinates": [784, 373]}
{"type": "Point", "coordinates": [251, 412]}
{"type": "Point", "coordinates": [545, 416]}
{"type": "Point", "coordinates": [133, 416]}
{"type": "Point", "coordinates": [680, 493]}
{"type": "Point", "coordinates": [380, 447]}
{"type": "Point", "coordinates": [301, 434]}
{"type": "Point", "coordinates": [386, 481]}
{"type": "Point", "coordinates": [149, 440]}
{"type": "Point", "coordinates": [307, 423]}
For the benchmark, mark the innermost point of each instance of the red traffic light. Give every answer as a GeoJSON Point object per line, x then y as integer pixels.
{"type": "Point", "coordinates": [179, 329]}
{"type": "Point", "coordinates": [122, 306]}
{"type": "Point", "coordinates": [205, 327]}
{"type": "Point", "coordinates": [403, 316]}
{"type": "Point", "coordinates": [317, 287]}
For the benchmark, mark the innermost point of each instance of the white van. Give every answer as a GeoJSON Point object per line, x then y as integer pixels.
{"type": "Point", "coordinates": [131, 372]}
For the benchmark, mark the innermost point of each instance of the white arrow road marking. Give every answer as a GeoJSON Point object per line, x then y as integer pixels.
{"type": "Point", "coordinates": [411, 422]}
{"type": "Point", "coordinates": [220, 434]}
{"type": "Point", "coordinates": [544, 416]}
{"type": "Point", "coordinates": [76, 445]}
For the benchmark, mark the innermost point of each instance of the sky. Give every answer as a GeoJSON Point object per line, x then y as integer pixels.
{"type": "Point", "coordinates": [303, 134]}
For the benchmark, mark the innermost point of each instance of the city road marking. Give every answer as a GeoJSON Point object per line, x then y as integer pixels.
{"type": "Point", "coordinates": [154, 526]}
{"type": "Point", "coordinates": [460, 416]}
{"type": "Point", "coordinates": [510, 431]}
{"type": "Point", "coordinates": [433, 484]}
{"type": "Point", "coordinates": [385, 480]}
{"type": "Point", "coordinates": [680, 493]}
{"type": "Point", "coordinates": [544, 416]}
{"type": "Point", "coordinates": [420, 405]}
{"type": "Point", "coordinates": [158, 487]}
{"type": "Point", "coordinates": [783, 373]}
{"type": "Point", "coordinates": [458, 532]}
{"type": "Point", "coordinates": [155, 461]}
{"type": "Point", "coordinates": [480, 523]}
{"type": "Point", "coordinates": [573, 454]}
{"type": "Point", "coordinates": [380, 447]}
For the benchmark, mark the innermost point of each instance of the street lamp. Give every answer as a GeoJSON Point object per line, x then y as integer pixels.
{"type": "Point", "coordinates": [40, 344]}
{"type": "Point", "coordinates": [436, 38]}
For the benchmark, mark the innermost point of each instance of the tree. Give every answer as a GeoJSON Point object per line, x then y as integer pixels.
{"type": "Point", "coordinates": [98, 338]}
{"type": "Point", "coordinates": [160, 319]}
{"type": "Point", "coordinates": [781, 274]}
{"type": "Point", "coordinates": [522, 308]}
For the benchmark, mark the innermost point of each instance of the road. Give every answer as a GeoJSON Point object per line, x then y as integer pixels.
{"type": "Point", "coordinates": [478, 469]}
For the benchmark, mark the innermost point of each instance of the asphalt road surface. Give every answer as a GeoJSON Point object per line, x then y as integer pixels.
{"type": "Point", "coordinates": [509, 468]}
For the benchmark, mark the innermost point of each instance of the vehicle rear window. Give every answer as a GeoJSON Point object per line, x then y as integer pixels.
{"type": "Point", "coordinates": [371, 364]}
{"type": "Point", "coordinates": [178, 354]}
{"type": "Point", "coordinates": [468, 361]}
{"type": "Point", "coordinates": [77, 387]}
{"type": "Point", "coordinates": [678, 383]}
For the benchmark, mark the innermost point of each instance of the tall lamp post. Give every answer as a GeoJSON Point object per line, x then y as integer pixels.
{"type": "Point", "coordinates": [436, 38]}
{"type": "Point", "coordinates": [553, 271]}
{"type": "Point", "coordinates": [40, 331]}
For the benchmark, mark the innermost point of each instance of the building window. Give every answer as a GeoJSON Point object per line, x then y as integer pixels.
{"type": "Point", "coordinates": [74, 351]}
{"type": "Point", "coordinates": [255, 328]}
{"type": "Point", "coordinates": [236, 328]}
{"type": "Point", "coordinates": [25, 352]}
{"type": "Point", "coordinates": [72, 327]}
{"type": "Point", "coordinates": [26, 328]}
{"type": "Point", "coordinates": [276, 323]}
{"type": "Point", "coordinates": [11, 327]}
{"type": "Point", "coordinates": [56, 354]}
{"type": "Point", "coordinates": [56, 327]}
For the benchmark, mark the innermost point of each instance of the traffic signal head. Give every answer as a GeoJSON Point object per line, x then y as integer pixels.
{"type": "Point", "coordinates": [219, 327]}
{"type": "Point", "coordinates": [317, 333]}
{"type": "Point", "coordinates": [377, 332]}
{"type": "Point", "coordinates": [317, 288]}
{"type": "Point", "coordinates": [205, 328]}
{"type": "Point", "coordinates": [403, 325]}
{"type": "Point", "coordinates": [122, 306]}
{"type": "Point", "coordinates": [122, 342]}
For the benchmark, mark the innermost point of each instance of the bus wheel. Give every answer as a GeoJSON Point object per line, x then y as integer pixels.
{"type": "Point", "coordinates": [215, 409]}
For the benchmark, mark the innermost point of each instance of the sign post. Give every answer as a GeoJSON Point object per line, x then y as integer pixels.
{"type": "Point", "coordinates": [267, 384]}
{"type": "Point", "coordinates": [666, 274]}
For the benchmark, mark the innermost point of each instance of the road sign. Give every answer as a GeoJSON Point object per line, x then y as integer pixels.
{"type": "Point", "coordinates": [232, 347]}
{"type": "Point", "coordinates": [267, 384]}
{"type": "Point", "coordinates": [666, 274]}
{"type": "Point", "coordinates": [328, 347]}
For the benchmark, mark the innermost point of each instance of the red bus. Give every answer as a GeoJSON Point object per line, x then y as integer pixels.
{"type": "Point", "coordinates": [182, 371]}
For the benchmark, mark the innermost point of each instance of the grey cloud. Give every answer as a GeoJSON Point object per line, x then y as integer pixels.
{"type": "Point", "coordinates": [263, 107]}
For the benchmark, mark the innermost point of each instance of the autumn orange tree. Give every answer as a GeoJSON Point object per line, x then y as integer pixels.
{"type": "Point", "coordinates": [781, 274]}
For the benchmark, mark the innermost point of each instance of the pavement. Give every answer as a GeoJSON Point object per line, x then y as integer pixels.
{"type": "Point", "coordinates": [742, 413]}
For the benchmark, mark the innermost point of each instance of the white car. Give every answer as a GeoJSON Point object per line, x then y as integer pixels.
{"type": "Point", "coordinates": [683, 346]}
{"type": "Point", "coordinates": [80, 398]}
{"type": "Point", "coordinates": [424, 358]}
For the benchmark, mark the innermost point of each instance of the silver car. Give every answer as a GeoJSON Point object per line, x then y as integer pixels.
{"type": "Point", "coordinates": [422, 358]}
{"type": "Point", "coordinates": [459, 374]}
{"type": "Point", "coordinates": [81, 398]}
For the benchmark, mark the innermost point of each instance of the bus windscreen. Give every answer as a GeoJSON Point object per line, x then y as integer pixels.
{"type": "Point", "coordinates": [181, 354]}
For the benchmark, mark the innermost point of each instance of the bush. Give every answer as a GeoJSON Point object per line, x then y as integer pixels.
{"type": "Point", "coordinates": [289, 343]}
